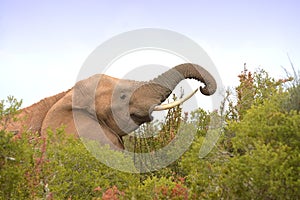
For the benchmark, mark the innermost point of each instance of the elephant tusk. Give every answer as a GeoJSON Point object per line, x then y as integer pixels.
{"type": "Point", "coordinates": [175, 103]}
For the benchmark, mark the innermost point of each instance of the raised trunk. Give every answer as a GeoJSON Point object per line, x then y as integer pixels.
{"type": "Point", "coordinates": [172, 77]}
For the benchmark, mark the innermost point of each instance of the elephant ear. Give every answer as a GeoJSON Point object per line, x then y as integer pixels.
{"type": "Point", "coordinates": [84, 94]}
{"type": "Point", "coordinates": [89, 129]}
{"type": "Point", "coordinates": [88, 125]}
{"type": "Point", "coordinates": [60, 114]}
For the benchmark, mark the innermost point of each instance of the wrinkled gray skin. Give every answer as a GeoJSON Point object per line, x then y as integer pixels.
{"type": "Point", "coordinates": [104, 108]}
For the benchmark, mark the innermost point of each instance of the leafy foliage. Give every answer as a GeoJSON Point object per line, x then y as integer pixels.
{"type": "Point", "coordinates": [257, 156]}
{"type": "Point", "coordinates": [293, 86]}
{"type": "Point", "coordinates": [9, 108]}
{"type": "Point", "coordinates": [56, 167]}
{"type": "Point", "coordinates": [15, 161]}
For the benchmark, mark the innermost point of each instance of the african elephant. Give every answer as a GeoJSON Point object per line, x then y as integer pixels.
{"type": "Point", "coordinates": [105, 108]}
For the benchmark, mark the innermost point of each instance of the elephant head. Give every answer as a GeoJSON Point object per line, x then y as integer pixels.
{"type": "Point", "coordinates": [108, 108]}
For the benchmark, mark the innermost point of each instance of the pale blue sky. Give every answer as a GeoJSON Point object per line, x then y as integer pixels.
{"type": "Point", "coordinates": [44, 43]}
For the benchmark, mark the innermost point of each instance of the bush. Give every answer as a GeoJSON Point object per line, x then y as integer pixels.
{"type": "Point", "coordinates": [265, 173]}
{"type": "Point", "coordinates": [160, 188]}
{"type": "Point", "coordinates": [15, 164]}
{"type": "Point", "coordinates": [257, 155]}
{"type": "Point", "coordinates": [58, 167]}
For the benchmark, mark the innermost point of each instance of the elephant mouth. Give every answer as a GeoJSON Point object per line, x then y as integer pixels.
{"type": "Point", "coordinates": [140, 119]}
{"type": "Point", "coordinates": [142, 116]}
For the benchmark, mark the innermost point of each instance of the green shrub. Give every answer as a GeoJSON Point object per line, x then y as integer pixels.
{"type": "Point", "coordinates": [15, 164]}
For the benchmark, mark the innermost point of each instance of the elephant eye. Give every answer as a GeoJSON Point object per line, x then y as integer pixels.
{"type": "Point", "coordinates": [123, 96]}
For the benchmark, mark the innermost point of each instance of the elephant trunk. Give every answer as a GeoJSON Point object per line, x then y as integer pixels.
{"type": "Point", "coordinates": [172, 77]}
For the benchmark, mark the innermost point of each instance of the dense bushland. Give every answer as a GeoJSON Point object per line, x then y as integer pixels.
{"type": "Point", "coordinates": [257, 155]}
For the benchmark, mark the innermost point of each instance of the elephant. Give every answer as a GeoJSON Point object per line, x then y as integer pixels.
{"type": "Point", "coordinates": [105, 108]}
